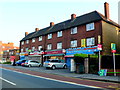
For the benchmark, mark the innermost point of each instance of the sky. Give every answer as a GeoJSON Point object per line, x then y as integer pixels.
{"type": "Point", "coordinates": [20, 16]}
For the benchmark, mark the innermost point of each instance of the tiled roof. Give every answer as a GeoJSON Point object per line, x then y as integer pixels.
{"type": "Point", "coordinates": [80, 20]}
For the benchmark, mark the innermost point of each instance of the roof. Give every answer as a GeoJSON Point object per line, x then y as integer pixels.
{"type": "Point", "coordinates": [80, 20]}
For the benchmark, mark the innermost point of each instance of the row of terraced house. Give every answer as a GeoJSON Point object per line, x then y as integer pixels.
{"type": "Point", "coordinates": [77, 35]}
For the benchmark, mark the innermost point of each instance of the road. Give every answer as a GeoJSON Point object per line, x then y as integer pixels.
{"type": "Point", "coordinates": [13, 79]}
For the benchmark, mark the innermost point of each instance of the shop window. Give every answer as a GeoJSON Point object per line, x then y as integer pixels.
{"type": "Point", "coordinates": [90, 26]}
{"type": "Point", "coordinates": [74, 43]}
{"type": "Point", "coordinates": [22, 50]}
{"type": "Point", "coordinates": [74, 30]}
{"type": "Point", "coordinates": [26, 49]}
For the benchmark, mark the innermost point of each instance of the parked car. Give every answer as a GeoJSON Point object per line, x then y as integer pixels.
{"type": "Point", "coordinates": [19, 62]}
{"type": "Point", "coordinates": [31, 63]}
{"type": "Point", "coordinates": [54, 63]}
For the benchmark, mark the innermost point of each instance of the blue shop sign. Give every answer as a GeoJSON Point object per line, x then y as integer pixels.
{"type": "Point", "coordinates": [83, 50]}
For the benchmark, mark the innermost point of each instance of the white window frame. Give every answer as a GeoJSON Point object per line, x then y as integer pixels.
{"type": "Point", "coordinates": [40, 38]}
{"type": "Point", "coordinates": [90, 41]}
{"type": "Point", "coordinates": [33, 40]}
{"type": "Point", "coordinates": [90, 26]}
{"type": "Point", "coordinates": [33, 48]}
{"type": "Point", "coordinates": [59, 34]}
{"type": "Point", "coordinates": [50, 36]}
{"type": "Point", "coordinates": [74, 30]}
{"type": "Point", "coordinates": [26, 49]}
{"type": "Point", "coordinates": [22, 49]}
{"type": "Point", "coordinates": [27, 41]}
{"type": "Point", "coordinates": [73, 43]}
{"type": "Point", "coordinates": [49, 46]}
{"type": "Point", "coordinates": [39, 48]}
{"type": "Point", "coordinates": [59, 45]}
{"type": "Point", "coordinates": [22, 42]}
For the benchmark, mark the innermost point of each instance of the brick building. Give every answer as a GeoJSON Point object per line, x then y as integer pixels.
{"type": "Point", "coordinates": [85, 31]}
{"type": "Point", "coordinates": [5, 47]}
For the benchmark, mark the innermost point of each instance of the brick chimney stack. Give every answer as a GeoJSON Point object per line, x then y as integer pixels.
{"type": "Point", "coordinates": [106, 10]}
{"type": "Point", "coordinates": [73, 16]}
{"type": "Point", "coordinates": [51, 24]}
{"type": "Point", "coordinates": [36, 29]}
{"type": "Point", "coordinates": [26, 33]}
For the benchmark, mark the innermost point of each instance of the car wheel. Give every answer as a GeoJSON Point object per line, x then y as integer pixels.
{"type": "Point", "coordinates": [65, 66]}
{"type": "Point", "coordinates": [53, 67]}
{"type": "Point", "coordinates": [29, 65]}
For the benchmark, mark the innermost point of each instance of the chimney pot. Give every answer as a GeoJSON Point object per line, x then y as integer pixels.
{"type": "Point", "coordinates": [26, 33]}
{"type": "Point", "coordinates": [106, 10]}
{"type": "Point", "coordinates": [51, 24]}
{"type": "Point", "coordinates": [36, 29]}
{"type": "Point", "coordinates": [73, 16]}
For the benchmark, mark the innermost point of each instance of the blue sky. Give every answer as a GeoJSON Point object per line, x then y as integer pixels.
{"type": "Point", "coordinates": [20, 16]}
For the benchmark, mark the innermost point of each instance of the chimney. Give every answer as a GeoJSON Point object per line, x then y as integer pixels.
{"type": "Point", "coordinates": [106, 10]}
{"type": "Point", "coordinates": [73, 16]}
{"type": "Point", "coordinates": [51, 24]}
{"type": "Point", "coordinates": [36, 29]}
{"type": "Point", "coordinates": [26, 33]}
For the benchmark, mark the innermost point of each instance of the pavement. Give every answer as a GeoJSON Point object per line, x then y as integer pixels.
{"type": "Point", "coordinates": [67, 73]}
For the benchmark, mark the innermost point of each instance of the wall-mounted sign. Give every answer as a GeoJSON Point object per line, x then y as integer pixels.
{"type": "Point", "coordinates": [83, 42]}
{"type": "Point", "coordinates": [84, 50]}
{"type": "Point", "coordinates": [99, 47]}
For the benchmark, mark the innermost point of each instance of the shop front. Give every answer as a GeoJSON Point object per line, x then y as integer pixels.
{"type": "Point", "coordinates": [73, 62]}
{"type": "Point", "coordinates": [55, 54]}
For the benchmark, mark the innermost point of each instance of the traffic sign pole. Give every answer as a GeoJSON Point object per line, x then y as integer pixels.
{"type": "Point", "coordinates": [99, 61]}
{"type": "Point", "coordinates": [114, 64]}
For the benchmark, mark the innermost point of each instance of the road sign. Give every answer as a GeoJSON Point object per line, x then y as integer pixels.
{"type": "Point", "coordinates": [113, 46]}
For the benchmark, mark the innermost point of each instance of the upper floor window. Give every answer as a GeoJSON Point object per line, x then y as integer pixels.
{"type": "Point", "coordinates": [22, 42]}
{"type": "Point", "coordinates": [27, 41]}
{"type": "Point", "coordinates": [22, 50]}
{"type": "Point", "coordinates": [90, 26]}
{"type": "Point", "coordinates": [40, 38]}
{"type": "Point", "coordinates": [59, 33]}
{"type": "Point", "coordinates": [26, 49]}
{"type": "Point", "coordinates": [33, 48]}
{"type": "Point", "coordinates": [74, 43]}
{"type": "Point", "coordinates": [49, 36]}
{"type": "Point", "coordinates": [74, 30]}
{"type": "Point", "coordinates": [49, 46]}
{"type": "Point", "coordinates": [59, 45]}
{"type": "Point", "coordinates": [33, 40]}
{"type": "Point", "coordinates": [39, 48]}
{"type": "Point", "coordinates": [90, 41]}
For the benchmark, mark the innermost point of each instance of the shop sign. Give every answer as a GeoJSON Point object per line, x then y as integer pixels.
{"type": "Point", "coordinates": [22, 54]}
{"type": "Point", "coordinates": [83, 42]}
{"type": "Point", "coordinates": [36, 53]}
{"type": "Point", "coordinates": [99, 47]}
{"type": "Point", "coordinates": [84, 50]}
{"type": "Point", "coordinates": [55, 52]}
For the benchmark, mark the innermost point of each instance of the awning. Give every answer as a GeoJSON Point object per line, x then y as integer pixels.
{"type": "Point", "coordinates": [69, 56]}
{"type": "Point", "coordinates": [54, 55]}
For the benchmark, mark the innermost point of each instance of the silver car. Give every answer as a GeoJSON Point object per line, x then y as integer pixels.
{"type": "Point", "coordinates": [31, 63]}
{"type": "Point", "coordinates": [54, 63]}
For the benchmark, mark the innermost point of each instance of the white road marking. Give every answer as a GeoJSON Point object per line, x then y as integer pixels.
{"type": "Point", "coordinates": [68, 82]}
{"type": "Point", "coordinates": [7, 81]}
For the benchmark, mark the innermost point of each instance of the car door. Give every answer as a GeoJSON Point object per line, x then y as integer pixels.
{"type": "Point", "coordinates": [36, 63]}
{"type": "Point", "coordinates": [32, 63]}
{"type": "Point", "coordinates": [60, 64]}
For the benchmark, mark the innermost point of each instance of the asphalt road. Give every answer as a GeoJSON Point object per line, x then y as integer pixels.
{"type": "Point", "coordinates": [12, 79]}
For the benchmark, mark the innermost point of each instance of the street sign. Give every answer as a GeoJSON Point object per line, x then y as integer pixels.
{"type": "Point", "coordinates": [113, 46]}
